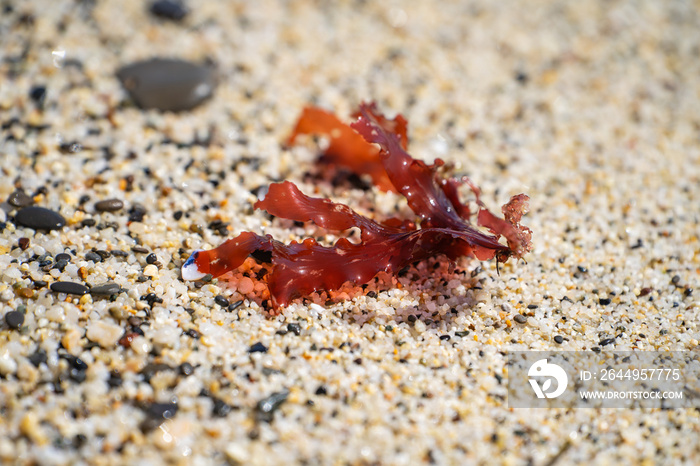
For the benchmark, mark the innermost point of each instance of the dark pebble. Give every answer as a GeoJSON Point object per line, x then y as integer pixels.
{"type": "Point", "coordinates": [151, 258]}
{"type": "Point", "coordinates": [604, 301]}
{"type": "Point", "coordinates": [532, 306]}
{"type": "Point", "coordinates": [40, 284]}
{"type": "Point", "coordinates": [519, 318]}
{"type": "Point", "coordinates": [221, 301]}
{"type": "Point", "coordinates": [161, 410]}
{"type": "Point", "coordinates": [38, 357]}
{"type": "Point", "coordinates": [38, 94]}
{"type": "Point", "coordinates": [559, 339]}
{"type": "Point", "coordinates": [79, 441]}
{"type": "Point", "coordinates": [151, 299]}
{"type": "Point", "coordinates": [88, 222]}
{"type": "Point", "coordinates": [606, 341]}
{"type": "Point", "coordinates": [445, 337]}
{"type": "Point", "coordinates": [137, 213]}
{"type": "Point", "coordinates": [106, 289]}
{"type": "Point", "coordinates": [462, 333]}
{"type": "Point", "coordinates": [14, 319]}
{"type": "Point", "coordinates": [151, 369]}
{"type": "Point", "coordinates": [45, 261]}
{"type": "Point", "coordinates": [70, 147]}
{"type": "Point", "coordinates": [63, 257]}
{"type": "Point", "coordinates": [192, 333]}
{"type": "Point", "coordinates": [23, 243]}
{"type": "Point", "coordinates": [19, 199]}
{"type": "Point", "coordinates": [233, 306]}
{"type": "Point", "coordinates": [115, 379]}
{"type": "Point", "coordinates": [93, 256]}
{"type": "Point", "coordinates": [78, 368]}
{"type": "Point", "coordinates": [157, 413]}
{"type": "Point", "coordinates": [69, 288]}
{"type": "Point", "coordinates": [139, 249]}
{"type": "Point", "coordinates": [39, 218]}
{"type": "Point", "coordinates": [109, 205]}
{"type": "Point", "coordinates": [186, 369]}
{"type": "Point", "coordinates": [321, 390]}
{"type": "Point", "coordinates": [103, 254]}
{"type": "Point", "coordinates": [167, 84]}
{"type": "Point", "coordinates": [220, 408]}
{"type": "Point", "coordinates": [77, 375]}
{"type": "Point", "coordinates": [266, 407]}
{"type": "Point", "coordinates": [61, 264]}
{"type": "Point", "coordinates": [75, 362]}
{"type": "Point", "coordinates": [294, 328]}
{"type": "Point", "coordinates": [135, 321]}
{"type": "Point", "coordinates": [169, 9]}
{"type": "Point", "coordinates": [257, 348]}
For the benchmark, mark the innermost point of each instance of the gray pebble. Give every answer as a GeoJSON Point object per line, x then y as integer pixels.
{"type": "Point", "coordinates": [266, 407]}
{"type": "Point", "coordinates": [109, 205]}
{"type": "Point", "coordinates": [167, 84]}
{"type": "Point", "coordinates": [93, 256]}
{"type": "Point", "coordinates": [14, 319]}
{"type": "Point", "coordinates": [19, 199]}
{"type": "Point", "coordinates": [106, 289]}
{"type": "Point", "coordinates": [169, 9]}
{"type": "Point", "coordinates": [69, 288]}
{"type": "Point", "coordinates": [62, 256]}
{"type": "Point", "coordinates": [519, 318]}
{"type": "Point", "coordinates": [39, 218]}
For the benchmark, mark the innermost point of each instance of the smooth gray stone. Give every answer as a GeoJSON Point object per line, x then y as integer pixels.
{"type": "Point", "coordinates": [109, 205]}
{"type": "Point", "coordinates": [69, 288]}
{"type": "Point", "coordinates": [39, 218]}
{"type": "Point", "coordinates": [106, 289]}
{"type": "Point", "coordinates": [167, 84]}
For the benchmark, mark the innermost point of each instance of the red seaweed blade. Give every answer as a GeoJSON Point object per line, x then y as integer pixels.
{"type": "Point", "coordinates": [299, 269]}
{"type": "Point", "coordinates": [345, 146]}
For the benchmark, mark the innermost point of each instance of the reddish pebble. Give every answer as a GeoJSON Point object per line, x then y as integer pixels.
{"type": "Point", "coordinates": [245, 285]}
{"type": "Point", "coordinates": [23, 243]}
{"type": "Point", "coordinates": [126, 340]}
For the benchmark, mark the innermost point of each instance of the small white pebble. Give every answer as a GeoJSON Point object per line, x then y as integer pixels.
{"type": "Point", "coordinates": [150, 271]}
{"type": "Point", "coordinates": [104, 333]}
{"type": "Point", "coordinates": [237, 453]}
{"type": "Point", "coordinates": [71, 340]}
{"type": "Point", "coordinates": [7, 363]}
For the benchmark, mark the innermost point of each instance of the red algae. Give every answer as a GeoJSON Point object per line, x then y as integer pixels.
{"type": "Point", "coordinates": [300, 268]}
{"type": "Point", "coordinates": [346, 147]}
